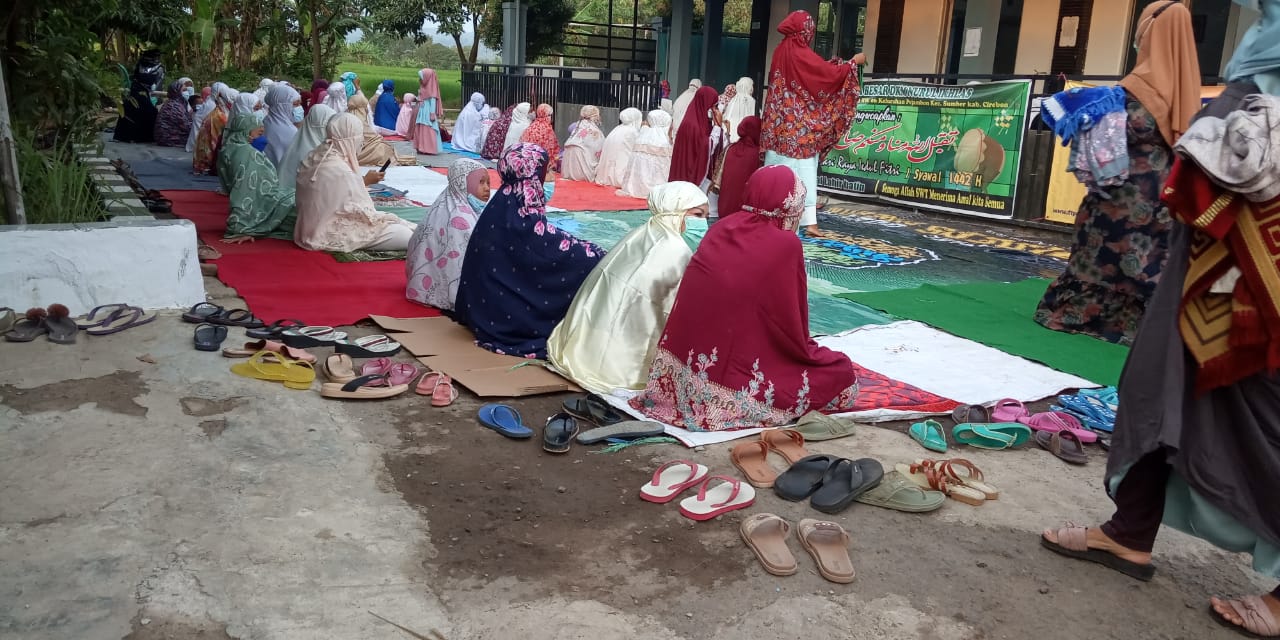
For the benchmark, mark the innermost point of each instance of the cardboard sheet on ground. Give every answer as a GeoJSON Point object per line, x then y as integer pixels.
{"type": "Point", "coordinates": [447, 347]}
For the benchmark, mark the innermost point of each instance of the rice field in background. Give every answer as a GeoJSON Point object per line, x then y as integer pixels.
{"type": "Point", "coordinates": [406, 79]}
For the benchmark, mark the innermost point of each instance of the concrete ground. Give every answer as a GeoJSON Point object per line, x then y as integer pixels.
{"type": "Point", "coordinates": [146, 493]}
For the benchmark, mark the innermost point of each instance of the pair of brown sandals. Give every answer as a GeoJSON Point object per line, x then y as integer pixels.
{"type": "Point", "coordinates": [752, 457]}
{"type": "Point", "coordinates": [826, 542]}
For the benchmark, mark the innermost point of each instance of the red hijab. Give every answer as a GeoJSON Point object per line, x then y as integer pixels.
{"type": "Point", "coordinates": [729, 357]}
{"type": "Point", "coordinates": [811, 100]}
{"type": "Point", "coordinates": [740, 162]}
{"type": "Point", "coordinates": [690, 158]}
{"type": "Point", "coordinates": [543, 133]}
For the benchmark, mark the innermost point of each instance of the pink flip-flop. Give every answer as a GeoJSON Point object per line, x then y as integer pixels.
{"type": "Point", "coordinates": [671, 479]}
{"type": "Point", "coordinates": [1055, 421]}
{"type": "Point", "coordinates": [1009, 410]}
{"type": "Point", "coordinates": [730, 495]}
{"type": "Point", "coordinates": [439, 387]}
{"type": "Point", "coordinates": [397, 372]}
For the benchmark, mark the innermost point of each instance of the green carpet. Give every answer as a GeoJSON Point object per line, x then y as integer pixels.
{"type": "Point", "coordinates": [999, 315]}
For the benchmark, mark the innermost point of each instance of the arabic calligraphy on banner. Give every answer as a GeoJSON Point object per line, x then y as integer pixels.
{"type": "Point", "coordinates": [956, 148]}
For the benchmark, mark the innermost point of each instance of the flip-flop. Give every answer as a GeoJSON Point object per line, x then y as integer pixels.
{"type": "Point", "coordinates": [206, 252]}
{"type": "Point", "coordinates": [752, 459]}
{"type": "Point", "coordinates": [127, 318]}
{"type": "Point", "coordinates": [1009, 410]}
{"type": "Point", "coordinates": [1053, 421]}
{"type": "Point", "coordinates": [971, 478]}
{"type": "Point", "coordinates": [710, 501]}
{"type": "Point", "coordinates": [593, 409]}
{"type": "Point", "coordinates": [30, 327]}
{"type": "Point", "coordinates": [235, 318]}
{"type": "Point", "coordinates": [1020, 433]}
{"type": "Point", "coordinates": [208, 337]}
{"type": "Point", "coordinates": [828, 544]}
{"type": "Point", "coordinates": [397, 372]}
{"type": "Point", "coordinates": [439, 386]}
{"type": "Point", "coordinates": [1063, 444]}
{"type": "Point", "coordinates": [816, 426]}
{"type": "Point", "coordinates": [375, 387]}
{"type": "Point", "coordinates": [99, 315]}
{"type": "Point", "coordinates": [339, 368]}
{"type": "Point", "coordinates": [625, 430]}
{"type": "Point", "coordinates": [558, 435]}
{"type": "Point", "coordinates": [929, 435]}
{"type": "Point", "coordinates": [311, 336]}
{"type": "Point", "coordinates": [61, 328]}
{"type": "Point", "coordinates": [200, 312]}
{"type": "Point", "coordinates": [275, 330]}
{"type": "Point", "coordinates": [900, 494]}
{"type": "Point", "coordinates": [803, 478]}
{"type": "Point", "coordinates": [974, 413]}
{"type": "Point", "coordinates": [787, 443]}
{"type": "Point", "coordinates": [671, 479]}
{"type": "Point", "coordinates": [927, 478]}
{"type": "Point", "coordinates": [845, 481]}
{"type": "Point", "coordinates": [504, 420]}
{"type": "Point", "coordinates": [766, 535]}
{"type": "Point", "coordinates": [373, 346]}
{"type": "Point", "coordinates": [1073, 544]}
{"type": "Point", "coordinates": [251, 348]}
{"type": "Point", "coordinates": [981, 436]}
{"type": "Point", "coordinates": [274, 367]}
{"type": "Point", "coordinates": [7, 319]}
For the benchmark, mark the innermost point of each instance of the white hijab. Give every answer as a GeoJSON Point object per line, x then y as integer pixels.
{"type": "Point", "coordinates": [656, 134]}
{"type": "Point", "coordinates": [245, 103]}
{"type": "Point", "coordinates": [739, 107]}
{"type": "Point", "coordinates": [279, 125]}
{"type": "Point", "coordinates": [682, 103]}
{"type": "Point", "coordinates": [466, 131]}
{"type": "Point", "coordinates": [520, 120]}
{"type": "Point", "coordinates": [313, 133]}
{"type": "Point", "coordinates": [336, 97]}
{"type": "Point", "coordinates": [264, 85]}
{"type": "Point", "coordinates": [615, 156]}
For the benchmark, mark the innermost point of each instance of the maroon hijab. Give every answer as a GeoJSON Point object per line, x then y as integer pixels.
{"type": "Point", "coordinates": [729, 357]}
{"type": "Point", "coordinates": [691, 154]}
{"type": "Point", "coordinates": [740, 161]}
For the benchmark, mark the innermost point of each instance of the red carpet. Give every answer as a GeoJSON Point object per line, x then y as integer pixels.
{"type": "Point", "coordinates": [572, 195]}
{"type": "Point", "coordinates": [278, 280]}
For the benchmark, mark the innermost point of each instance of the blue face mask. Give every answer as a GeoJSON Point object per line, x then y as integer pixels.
{"type": "Point", "coordinates": [694, 229]}
{"type": "Point", "coordinates": [477, 205]}
{"type": "Point", "coordinates": [548, 189]}
{"type": "Point", "coordinates": [299, 113]}
{"type": "Point", "coordinates": [188, 92]}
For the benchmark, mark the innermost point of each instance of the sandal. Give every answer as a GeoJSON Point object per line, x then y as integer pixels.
{"type": "Point", "coordinates": [557, 435]}
{"type": "Point", "coordinates": [929, 435]}
{"type": "Point", "coordinates": [504, 420]}
{"type": "Point", "coordinates": [373, 346]}
{"type": "Point", "coordinates": [99, 315]}
{"type": "Point", "coordinates": [972, 477]}
{"type": "Point", "coordinates": [235, 318]}
{"type": "Point", "coordinates": [931, 478]}
{"type": "Point", "coordinates": [274, 367]}
{"type": "Point", "coordinates": [251, 348]}
{"type": "Point", "coordinates": [200, 312]}
{"type": "Point", "coordinates": [896, 492]}
{"type": "Point", "coordinates": [373, 387]}
{"type": "Point", "coordinates": [974, 413]}
{"type": "Point", "coordinates": [671, 479]}
{"type": "Point", "coordinates": [397, 372]}
{"type": "Point", "coordinates": [788, 443]}
{"type": "Point", "coordinates": [593, 409]}
{"type": "Point", "coordinates": [803, 478]}
{"type": "Point", "coordinates": [29, 327]}
{"type": "Point", "coordinates": [815, 426]}
{"type": "Point", "coordinates": [982, 436]}
{"type": "Point", "coordinates": [844, 482]}
{"type": "Point", "coordinates": [339, 368]}
{"type": "Point", "coordinates": [275, 330]}
{"type": "Point", "coordinates": [209, 337]}
{"type": "Point", "coordinates": [1009, 410]}
{"type": "Point", "coordinates": [752, 459]}
{"type": "Point", "coordinates": [766, 535]}
{"type": "Point", "coordinates": [7, 319]}
{"type": "Point", "coordinates": [126, 318]}
{"type": "Point", "coordinates": [828, 544]}
{"type": "Point", "coordinates": [710, 502]}
{"type": "Point", "coordinates": [1256, 619]}
{"type": "Point", "coordinates": [625, 430]}
{"type": "Point", "coordinates": [1064, 445]}
{"type": "Point", "coordinates": [440, 387]}
{"type": "Point", "coordinates": [59, 325]}
{"type": "Point", "coordinates": [1054, 421]}
{"type": "Point", "coordinates": [311, 336]}
{"type": "Point", "coordinates": [1073, 544]}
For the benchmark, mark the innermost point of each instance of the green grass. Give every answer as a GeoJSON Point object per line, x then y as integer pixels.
{"type": "Point", "coordinates": [406, 79]}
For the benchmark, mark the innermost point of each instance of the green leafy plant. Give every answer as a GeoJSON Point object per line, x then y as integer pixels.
{"type": "Point", "coordinates": [56, 187]}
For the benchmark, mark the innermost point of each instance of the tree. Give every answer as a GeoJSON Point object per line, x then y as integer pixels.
{"type": "Point", "coordinates": [326, 23]}
{"type": "Point", "coordinates": [405, 18]}
{"type": "Point", "coordinates": [545, 28]}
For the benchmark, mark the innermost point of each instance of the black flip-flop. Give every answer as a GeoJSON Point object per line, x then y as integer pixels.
{"type": "Point", "coordinates": [235, 318]}
{"type": "Point", "coordinates": [803, 478]}
{"type": "Point", "coordinates": [275, 330]}
{"type": "Point", "coordinates": [625, 430]}
{"type": "Point", "coordinates": [558, 435]}
{"type": "Point", "coordinates": [200, 312]}
{"type": "Point", "coordinates": [593, 409]}
{"type": "Point", "coordinates": [209, 337]}
{"type": "Point", "coordinates": [374, 346]}
{"type": "Point", "coordinates": [844, 482]}
{"type": "Point", "coordinates": [61, 328]}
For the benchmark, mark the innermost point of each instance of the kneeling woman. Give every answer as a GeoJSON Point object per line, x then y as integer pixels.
{"type": "Point", "coordinates": [607, 339]}
{"type": "Point", "coordinates": [335, 212]}
{"type": "Point", "coordinates": [260, 207]}
{"type": "Point", "coordinates": [520, 273]}
{"type": "Point", "coordinates": [736, 351]}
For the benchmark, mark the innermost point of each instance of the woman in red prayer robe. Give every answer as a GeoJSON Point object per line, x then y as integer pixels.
{"type": "Point", "coordinates": [692, 153]}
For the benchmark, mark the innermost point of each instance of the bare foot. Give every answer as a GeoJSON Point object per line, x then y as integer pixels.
{"type": "Point", "coordinates": [1228, 613]}
{"type": "Point", "coordinates": [1096, 539]}
{"type": "Point", "coordinates": [238, 240]}
{"type": "Point", "coordinates": [813, 231]}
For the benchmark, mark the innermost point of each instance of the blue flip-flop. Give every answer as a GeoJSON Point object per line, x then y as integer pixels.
{"type": "Point", "coordinates": [504, 420]}
{"type": "Point", "coordinates": [929, 435]}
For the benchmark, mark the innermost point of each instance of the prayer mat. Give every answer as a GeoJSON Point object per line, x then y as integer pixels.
{"type": "Point", "coordinates": [367, 256]}
{"type": "Point", "coordinates": [573, 195]}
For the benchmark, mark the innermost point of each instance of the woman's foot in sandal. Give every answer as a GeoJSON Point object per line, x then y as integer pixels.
{"type": "Point", "coordinates": [1095, 546]}
{"type": "Point", "coordinates": [1255, 616]}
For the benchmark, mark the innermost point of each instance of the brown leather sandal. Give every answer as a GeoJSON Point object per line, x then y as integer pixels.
{"type": "Point", "coordinates": [787, 442]}
{"type": "Point", "coordinates": [766, 535]}
{"type": "Point", "coordinates": [752, 459]}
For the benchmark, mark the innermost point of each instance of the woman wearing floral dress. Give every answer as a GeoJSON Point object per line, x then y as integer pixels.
{"type": "Point", "coordinates": [434, 262]}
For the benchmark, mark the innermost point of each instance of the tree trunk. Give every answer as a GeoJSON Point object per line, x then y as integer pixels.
{"type": "Point", "coordinates": [470, 63]}
{"type": "Point", "coordinates": [462, 54]}
{"type": "Point", "coordinates": [317, 69]}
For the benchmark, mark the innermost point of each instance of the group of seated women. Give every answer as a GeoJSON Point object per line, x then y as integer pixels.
{"type": "Point", "coordinates": [666, 311]}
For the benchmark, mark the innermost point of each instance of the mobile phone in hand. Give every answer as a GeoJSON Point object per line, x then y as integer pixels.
{"type": "Point", "coordinates": [384, 167]}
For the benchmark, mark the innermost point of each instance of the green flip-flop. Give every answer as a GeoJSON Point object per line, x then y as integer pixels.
{"type": "Point", "coordinates": [900, 494]}
{"type": "Point", "coordinates": [816, 425]}
{"type": "Point", "coordinates": [983, 436]}
{"type": "Point", "coordinates": [929, 434]}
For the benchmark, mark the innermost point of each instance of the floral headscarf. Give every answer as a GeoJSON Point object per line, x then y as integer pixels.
{"type": "Point", "coordinates": [777, 193]}
{"type": "Point", "coordinates": [523, 168]}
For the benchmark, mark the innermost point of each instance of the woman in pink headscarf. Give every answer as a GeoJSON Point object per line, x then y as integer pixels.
{"type": "Point", "coordinates": [404, 121]}
{"type": "Point", "coordinates": [542, 133]}
{"type": "Point", "coordinates": [429, 113]}
{"type": "Point", "coordinates": [730, 358]}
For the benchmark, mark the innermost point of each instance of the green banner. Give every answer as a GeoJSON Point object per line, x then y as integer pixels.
{"type": "Point", "coordinates": [948, 147]}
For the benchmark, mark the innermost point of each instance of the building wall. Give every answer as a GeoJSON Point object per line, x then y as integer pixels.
{"type": "Point", "coordinates": [869, 38]}
{"type": "Point", "coordinates": [924, 36]}
{"type": "Point", "coordinates": [985, 15]}
{"type": "Point", "coordinates": [1035, 41]}
{"type": "Point", "coordinates": [1110, 38]}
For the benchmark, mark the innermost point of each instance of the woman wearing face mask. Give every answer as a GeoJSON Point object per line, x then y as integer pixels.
{"type": "Point", "coordinates": [206, 105]}
{"type": "Point", "coordinates": [260, 207]}
{"type": "Point", "coordinates": [205, 158]}
{"type": "Point", "coordinates": [335, 212]}
{"type": "Point", "coordinates": [173, 121]}
{"type": "Point", "coordinates": [731, 358]}
{"type": "Point", "coordinates": [466, 130]}
{"type": "Point", "coordinates": [313, 132]}
{"type": "Point", "coordinates": [434, 262]}
{"type": "Point", "coordinates": [512, 299]}
{"type": "Point", "coordinates": [607, 338]}
{"type": "Point", "coordinates": [279, 123]}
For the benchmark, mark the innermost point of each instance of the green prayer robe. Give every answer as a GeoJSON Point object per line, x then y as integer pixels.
{"type": "Point", "coordinates": [260, 207]}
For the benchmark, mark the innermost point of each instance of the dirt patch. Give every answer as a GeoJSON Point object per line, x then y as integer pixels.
{"type": "Point", "coordinates": [40, 522]}
{"type": "Point", "coordinates": [154, 628]}
{"type": "Point", "coordinates": [114, 392]}
{"type": "Point", "coordinates": [502, 507]}
{"type": "Point", "coordinates": [205, 407]}
{"type": "Point", "coordinates": [213, 428]}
